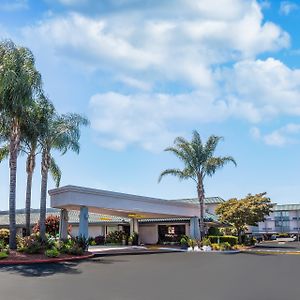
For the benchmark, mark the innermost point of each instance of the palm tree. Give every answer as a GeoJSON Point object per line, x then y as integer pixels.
{"type": "Point", "coordinates": [62, 133]}
{"type": "Point", "coordinates": [19, 83]}
{"type": "Point", "coordinates": [199, 161]}
{"type": "Point", "coordinates": [30, 146]}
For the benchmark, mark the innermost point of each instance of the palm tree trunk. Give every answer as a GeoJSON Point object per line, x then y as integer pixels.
{"type": "Point", "coordinates": [13, 151]}
{"type": "Point", "coordinates": [201, 197]}
{"type": "Point", "coordinates": [45, 167]}
{"type": "Point", "coordinates": [30, 165]}
{"type": "Point", "coordinates": [28, 202]}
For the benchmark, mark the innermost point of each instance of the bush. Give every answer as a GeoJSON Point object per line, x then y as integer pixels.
{"type": "Point", "coordinates": [225, 246]}
{"type": "Point", "coordinates": [99, 240]}
{"type": "Point", "coordinates": [192, 243]}
{"type": "Point", "coordinates": [214, 231]}
{"type": "Point", "coordinates": [52, 252]}
{"type": "Point", "coordinates": [52, 226]}
{"type": "Point", "coordinates": [206, 242]}
{"type": "Point", "coordinates": [31, 244]}
{"type": "Point", "coordinates": [115, 237]}
{"type": "Point", "coordinates": [248, 240]}
{"type": "Point", "coordinates": [81, 242]}
{"type": "Point", "coordinates": [76, 250]}
{"type": "Point", "coordinates": [3, 255]}
{"type": "Point", "coordinates": [4, 235]}
{"type": "Point", "coordinates": [215, 247]}
{"type": "Point", "coordinates": [184, 240]}
{"type": "Point", "coordinates": [232, 240]}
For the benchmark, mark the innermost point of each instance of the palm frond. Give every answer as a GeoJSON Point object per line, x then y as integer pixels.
{"type": "Point", "coordinates": [55, 172]}
{"type": "Point", "coordinates": [181, 174]}
{"type": "Point", "coordinates": [4, 152]}
{"type": "Point", "coordinates": [215, 163]}
{"type": "Point", "coordinates": [211, 145]}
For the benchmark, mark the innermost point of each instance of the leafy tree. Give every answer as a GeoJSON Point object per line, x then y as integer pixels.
{"type": "Point", "coordinates": [20, 82]}
{"type": "Point", "coordinates": [61, 133]}
{"type": "Point", "coordinates": [199, 161]}
{"type": "Point", "coordinates": [246, 211]}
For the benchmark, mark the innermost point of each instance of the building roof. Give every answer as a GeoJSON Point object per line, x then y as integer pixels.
{"type": "Point", "coordinates": [73, 217]}
{"type": "Point", "coordinates": [208, 200]}
{"type": "Point", "coordinates": [279, 207]}
{"type": "Point", "coordinates": [93, 217]}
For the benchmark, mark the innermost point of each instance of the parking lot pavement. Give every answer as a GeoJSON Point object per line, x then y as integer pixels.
{"type": "Point", "coordinates": [274, 245]}
{"type": "Point", "coordinates": [204, 276]}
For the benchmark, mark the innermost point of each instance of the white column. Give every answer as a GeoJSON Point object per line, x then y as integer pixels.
{"type": "Point", "coordinates": [84, 222]}
{"type": "Point", "coordinates": [63, 224]}
{"type": "Point", "coordinates": [194, 228]}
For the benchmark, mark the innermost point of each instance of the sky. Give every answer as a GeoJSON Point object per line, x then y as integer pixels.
{"type": "Point", "coordinates": [144, 72]}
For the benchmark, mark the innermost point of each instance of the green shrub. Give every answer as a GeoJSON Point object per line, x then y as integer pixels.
{"type": "Point", "coordinates": [52, 252]}
{"type": "Point", "coordinates": [214, 231]}
{"type": "Point", "coordinates": [215, 247]}
{"type": "Point", "coordinates": [192, 243]}
{"type": "Point", "coordinates": [115, 237]}
{"type": "Point", "coordinates": [4, 235]}
{"type": "Point", "coordinates": [76, 250]}
{"type": "Point", "coordinates": [81, 242]}
{"type": "Point", "coordinates": [225, 246]}
{"type": "Point", "coordinates": [206, 242]}
{"type": "Point", "coordinates": [232, 240]}
{"type": "Point", "coordinates": [31, 244]}
{"type": "Point", "coordinates": [184, 240]}
{"type": "Point", "coordinates": [3, 255]}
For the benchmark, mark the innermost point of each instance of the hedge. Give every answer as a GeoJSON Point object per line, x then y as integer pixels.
{"type": "Point", "coordinates": [232, 240]}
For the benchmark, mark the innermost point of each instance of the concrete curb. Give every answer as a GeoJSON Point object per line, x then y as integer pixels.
{"type": "Point", "coordinates": [43, 261]}
{"type": "Point", "coordinates": [99, 254]}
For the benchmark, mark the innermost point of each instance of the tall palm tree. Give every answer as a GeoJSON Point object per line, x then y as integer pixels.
{"type": "Point", "coordinates": [19, 83]}
{"type": "Point", "coordinates": [62, 133]}
{"type": "Point", "coordinates": [199, 161]}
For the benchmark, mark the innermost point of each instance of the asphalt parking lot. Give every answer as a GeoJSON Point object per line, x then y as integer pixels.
{"type": "Point", "coordinates": [204, 276]}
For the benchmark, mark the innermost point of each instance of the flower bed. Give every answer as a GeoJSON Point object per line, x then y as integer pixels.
{"type": "Point", "coordinates": [16, 257]}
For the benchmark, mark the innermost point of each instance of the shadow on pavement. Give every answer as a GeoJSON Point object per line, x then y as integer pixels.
{"type": "Point", "coordinates": [42, 270]}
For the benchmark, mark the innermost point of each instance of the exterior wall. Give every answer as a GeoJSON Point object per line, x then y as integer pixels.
{"type": "Point", "coordinates": [211, 208]}
{"type": "Point", "coordinates": [94, 230]}
{"type": "Point", "coordinates": [279, 222]}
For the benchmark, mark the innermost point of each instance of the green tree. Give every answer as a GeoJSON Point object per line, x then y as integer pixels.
{"type": "Point", "coordinates": [246, 211]}
{"type": "Point", "coordinates": [61, 133]}
{"type": "Point", "coordinates": [199, 161]}
{"type": "Point", "coordinates": [20, 82]}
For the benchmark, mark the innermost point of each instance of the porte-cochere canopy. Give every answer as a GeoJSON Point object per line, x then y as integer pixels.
{"type": "Point", "coordinates": [118, 204]}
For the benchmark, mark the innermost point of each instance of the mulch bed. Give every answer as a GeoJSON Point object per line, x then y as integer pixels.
{"type": "Point", "coordinates": [23, 258]}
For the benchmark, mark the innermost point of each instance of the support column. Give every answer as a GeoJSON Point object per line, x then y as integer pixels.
{"type": "Point", "coordinates": [63, 224]}
{"type": "Point", "coordinates": [131, 224]}
{"type": "Point", "coordinates": [84, 222]}
{"type": "Point", "coordinates": [194, 228]}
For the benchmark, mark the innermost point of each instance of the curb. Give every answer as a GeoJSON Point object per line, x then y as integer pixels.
{"type": "Point", "coordinates": [43, 261]}
{"type": "Point", "coordinates": [99, 254]}
{"type": "Point", "coordinates": [272, 252]}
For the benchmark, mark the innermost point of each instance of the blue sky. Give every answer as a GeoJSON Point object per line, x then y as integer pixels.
{"type": "Point", "coordinates": [145, 72]}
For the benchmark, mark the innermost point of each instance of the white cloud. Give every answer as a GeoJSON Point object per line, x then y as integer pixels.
{"type": "Point", "coordinates": [135, 83]}
{"type": "Point", "coordinates": [288, 134]}
{"type": "Point", "coordinates": [170, 49]}
{"type": "Point", "coordinates": [145, 119]}
{"type": "Point", "coordinates": [286, 7]}
{"type": "Point", "coordinates": [263, 89]}
{"type": "Point", "coordinates": [9, 6]}
{"type": "Point", "coordinates": [253, 90]}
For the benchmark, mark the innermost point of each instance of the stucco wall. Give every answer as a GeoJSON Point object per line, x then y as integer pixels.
{"type": "Point", "coordinates": [94, 230]}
